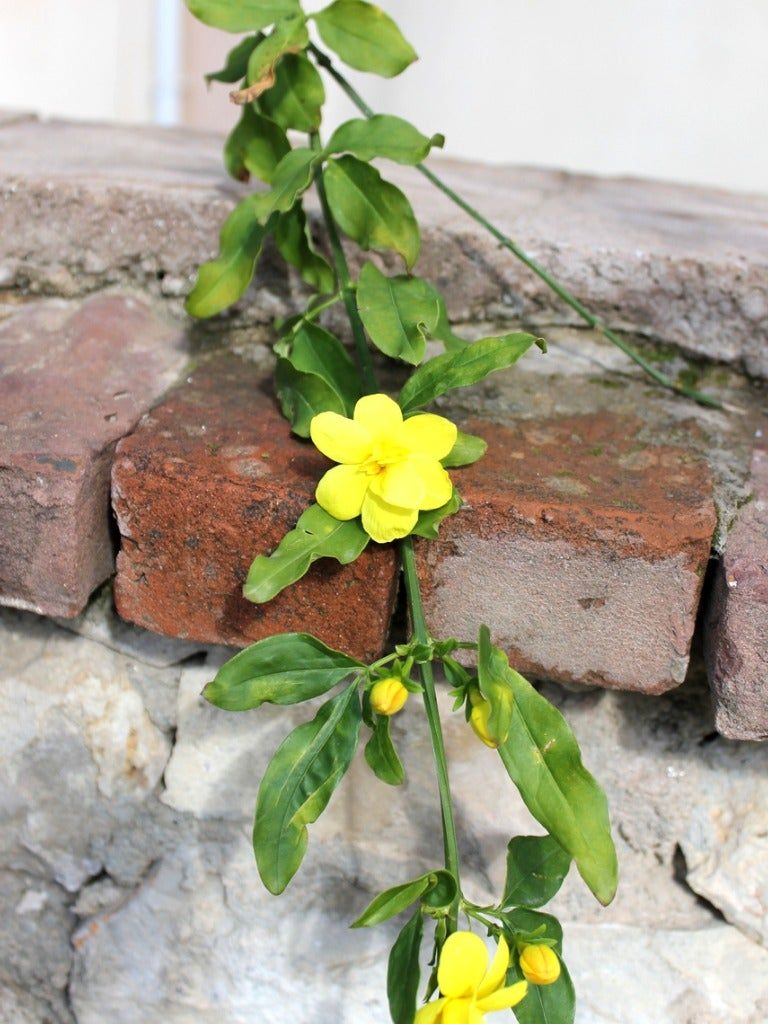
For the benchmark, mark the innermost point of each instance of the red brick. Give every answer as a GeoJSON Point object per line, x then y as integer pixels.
{"type": "Point", "coordinates": [737, 635]}
{"type": "Point", "coordinates": [210, 479]}
{"type": "Point", "coordinates": [73, 379]}
{"type": "Point", "coordinates": [583, 550]}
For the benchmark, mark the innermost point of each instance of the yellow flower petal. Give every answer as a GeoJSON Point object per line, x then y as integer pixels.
{"type": "Point", "coordinates": [437, 485]}
{"type": "Point", "coordinates": [504, 998]}
{"type": "Point", "coordinates": [341, 491]}
{"type": "Point", "coordinates": [401, 484]}
{"type": "Point", "coordinates": [498, 970]}
{"type": "Point", "coordinates": [463, 963]}
{"type": "Point", "coordinates": [340, 439]}
{"type": "Point", "coordinates": [378, 414]}
{"type": "Point", "coordinates": [383, 522]}
{"type": "Point", "coordinates": [430, 1014]}
{"type": "Point", "coordinates": [431, 435]}
{"type": "Point", "coordinates": [457, 1011]}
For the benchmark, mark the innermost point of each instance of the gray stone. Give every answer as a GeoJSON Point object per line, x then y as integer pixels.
{"type": "Point", "coordinates": [73, 380]}
{"type": "Point", "coordinates": [82, 206]}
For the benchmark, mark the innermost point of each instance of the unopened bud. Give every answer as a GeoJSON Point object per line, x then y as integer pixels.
{"type": "Point", "coordinates": [539, 964]}
{"type": "Point", "coordinates": [478, 717]}
{"type": "Point", "coordinates": [388, 696]}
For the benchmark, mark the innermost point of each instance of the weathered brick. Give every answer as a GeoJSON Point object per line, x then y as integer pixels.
{"type": "Point", "coordinates": [84, 205]}
{"type": "Point", "coordinates": [210, 479]}
{"type": "Point", "coordinates": [73, 379]}
{"type": "Point", "coordinates": [736, 644]}
{"type": "Point", "coordinates": [582, 548]}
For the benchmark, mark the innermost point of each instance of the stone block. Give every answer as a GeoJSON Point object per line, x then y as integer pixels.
{"type": "Point", "coordinates": [73, 379]}
{"type": "Point", "coordinates": [210, 479]}
{"type": "Point", "coordinates": [581, 547]}
{"type": "Point", "coordinates": [737, 626]}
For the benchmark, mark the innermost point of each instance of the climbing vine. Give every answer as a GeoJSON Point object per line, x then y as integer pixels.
{"type": "Point", "coordinates": [390, 483]}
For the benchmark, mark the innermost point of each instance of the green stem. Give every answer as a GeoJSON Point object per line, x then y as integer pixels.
{"type": "Point", "coordinates": [345, 283]}
{"type": "Point", "coordinates": [450, 843]}
{"type": "Point", "coordinates": [312, 314]}
{"type": "Point", "coordinates": [507, 243]}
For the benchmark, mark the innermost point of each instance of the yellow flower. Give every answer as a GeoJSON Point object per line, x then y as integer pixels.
{"type": "Point", "coordinates": [540, 964]}
{"type": "Point", "coordinates": [388, 696]}
{"type": "Point", "coordinates": [469, 988]}
{"type": "Point", "coordinates": [390, 469]}
{"type": "Point", "coordinates": [479, 715]}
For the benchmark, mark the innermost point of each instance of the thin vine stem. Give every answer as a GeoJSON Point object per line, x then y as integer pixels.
{"type": "Point", "coordinates": [413, 591]}
{"type": "Point", "coordinates": [412, 587]}
{"type": "Point", "coordinates": [508, 243]}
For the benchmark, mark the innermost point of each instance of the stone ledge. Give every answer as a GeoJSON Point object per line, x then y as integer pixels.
{"type": "Point", "coordinates": [84, 205]}
{"type": "Point", "coordinates": [74, 378]}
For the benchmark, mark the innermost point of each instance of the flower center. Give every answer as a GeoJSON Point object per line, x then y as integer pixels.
{"type": "Point", "coordinates": [384, 453]}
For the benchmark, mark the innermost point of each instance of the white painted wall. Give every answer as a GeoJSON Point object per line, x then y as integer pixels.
{"type": "Point", "coordinates": [667, 88]}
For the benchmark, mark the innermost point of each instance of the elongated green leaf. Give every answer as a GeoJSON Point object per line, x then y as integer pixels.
{"type": "Point", "coordinates": [399, 313]}
{"type": "Point", "coordinates": [222, 281]}
{"type": "Point", "coordinates": [392, 902]}
{"type": "Point", "coordinates": [298, 784]}
{"type": "Point", "coordinates": [467, 449]}
{"type": "Point", "coordinates": [381, 756]}
{"type": "Point", "coordinates": [317, 535]}
{"type": "Point", "coordinates": [536, 868]}
{"type": "Point", "coordinates": [236, 64]}
{"type": "Point", "coordinates": [295, 245]}
{"type": "Point", "coordinates": [315, 350]}
{"type": "Point", "coordinates": [283, 669]}
{"type": "Point", "coordinates": [288, 36]}
{"type": "Point", "coordinates": [303, 396]}
{"type": "Point", "coordinates": [297, 97]}
{"type": "Point", "coordinates": [291, 178]}
{"type": "Point", "coordinates": [372, 211]}
{"type": "Point", "coordinates": [463, 367]}
{"type": "Point", "coordinates": [543, 759]}
{"type": "Point", "coordinates": [365, 37]}
{"type": "Point", "coordinates": [543, 1004]}
{"type": "Point", "coordinates": [383, 135]}
{"type": "Point", "coordinates": [255, 146]}
{"type": "Point", "coordinates": [428, 523]}
{"type": "Point", "coordinates": [403, 972]}
{"type": "Point", "coordinates": [242, 15]}
{"type": "Point", "coordinates": [493, 678]}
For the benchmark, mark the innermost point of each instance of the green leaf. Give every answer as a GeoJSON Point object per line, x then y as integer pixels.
{"type": "Point", "coordinates": [295, 246]}
{"type": "Point", "coordinates": [403, 972]}
{"type": "Point", "coordinates": [302, 396]}
{"type": "Point", "coordinates": [317, 535]}
{"type": "Point", "coordinates": [463, 367]}
{"type": "Point", "coordinates": [543, 759]}
{"type": "Point", "coordinates": [292, 177]}
{"type": "Point", "coordinates": [283, 669]}
{"type": "Point", "coordinates": [372, 211]}
{"type": "Point", "coordinates": [298, 784]}
{"type": "Point", "coordinates": [543, 1004]}
{"type": "Point", "coordinates": [288, 36]}
{"type": "Point", "coordinates": [242, 15]}
{"type": "Point", "coordinates": [365, 37]}
{"type": "Point", "coordinates": [381, 756]}
{"type": "Point", "coordinates": [536, 868]}
{"type": "Point", "coordinates": [383, 135]}
{"type": "Point", "coordinates": [493, 678]}
{"type": "Point", "coordinates": [315, 350]}
{"type": "Point", "coordinates": [468, 449]}
{"type": "Point", "coordinates": [255, 146]}
{"type": "Point", "coordinates": [392, 902]}
{"type": "Point", "coordinates": [297, 97]}
{"type": "Point", "coordinates": [399, 313]}
{"type": "Point", "coordinates": [236, 64]}
{"type": "Point", "coordinates": [523, 923]}
{"type": "Point", "coordinates": [428, 523]}
{"type": "Point", "coordinates": [222, 281]}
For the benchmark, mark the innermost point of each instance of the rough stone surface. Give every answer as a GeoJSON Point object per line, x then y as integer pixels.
{"type": "Point", "coordinates": [737, 627]}
{"type": "Point", "coordinates": [73, 379]}
{"type": "Point", "coordinates": [82, 206]}
{"type": "Point", "coordinates": [583, 549]}
{"type": "Point", "coordinates": [211, 479]}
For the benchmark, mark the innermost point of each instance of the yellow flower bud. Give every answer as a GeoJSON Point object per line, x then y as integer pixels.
{"type": "Point", "coordinates": [478, 717]}
{"type": "Point", "coordinates": [540, 965]}
{"type": "Point", "coordinates": [388, 696]}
